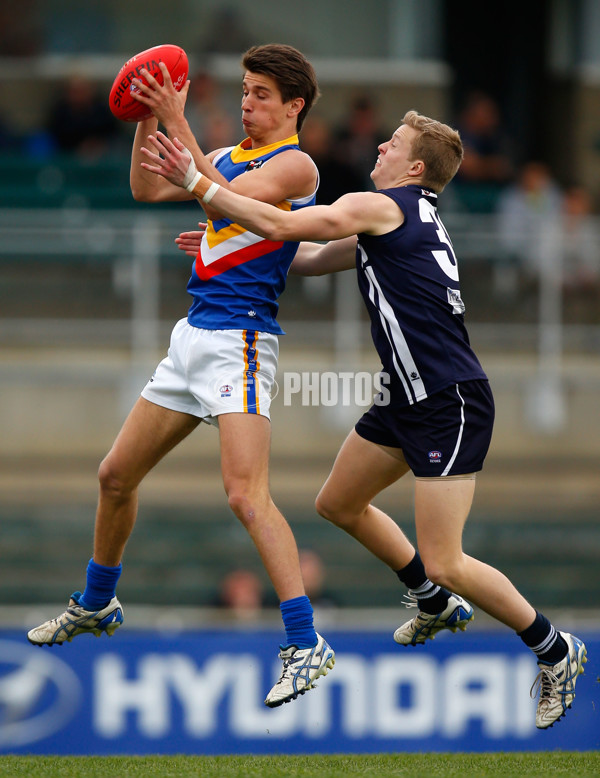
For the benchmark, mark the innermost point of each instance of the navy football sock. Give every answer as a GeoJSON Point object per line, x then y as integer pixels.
{"type": "Point", "coordinates": [432, 598]}
{"type": "Point", "coordinates": [542, 638]}
{"type": "Point", "coordinates": [297, 615]}
{"type": "Point", "coordinates": [100, 587]}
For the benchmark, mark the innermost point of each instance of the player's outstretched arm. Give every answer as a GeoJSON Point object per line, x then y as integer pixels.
{"type": "Point", "coordinates": [168, 106]}
{"type": "Point", "coordinates": [352, 213]}
{"type": "Point", "coordinates": [317, 259]}
{"type": "Point", "coordinates": [145, 186]}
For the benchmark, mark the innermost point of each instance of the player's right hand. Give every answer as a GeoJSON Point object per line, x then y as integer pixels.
{"type": "Point", "coordinates": [165, 101]}
{"type": "Point", "coordinates": [189, 242]}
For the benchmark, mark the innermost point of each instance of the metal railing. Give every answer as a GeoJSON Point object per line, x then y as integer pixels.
{"type": "Point", "coordinates": [135, 250]}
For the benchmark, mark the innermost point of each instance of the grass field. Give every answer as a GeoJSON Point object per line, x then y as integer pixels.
{"type": "Point", "coordinates": [542, 764]}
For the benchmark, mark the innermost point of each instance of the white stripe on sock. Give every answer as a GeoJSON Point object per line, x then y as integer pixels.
{"type": "Point", "coordinates": [546, 644]}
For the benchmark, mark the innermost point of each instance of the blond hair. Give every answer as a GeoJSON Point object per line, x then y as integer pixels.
{"type": "Point", "coordinates": [438, 146]}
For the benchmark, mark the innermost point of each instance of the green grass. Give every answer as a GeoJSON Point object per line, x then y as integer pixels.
{"type": "Point", "coordinates": [542, 764]}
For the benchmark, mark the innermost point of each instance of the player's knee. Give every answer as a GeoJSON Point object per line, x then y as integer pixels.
{"type": "Point", "coordinates": [330, 509]}
{"type": "Point", "coordinates": [244, 504]}
{"type": "Point", "coordinates": [112, 480]}
{"type": "Point", "coordinates": [323, 507]}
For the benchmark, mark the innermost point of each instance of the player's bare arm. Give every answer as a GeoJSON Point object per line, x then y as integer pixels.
{"type": "Point", "coordinates": [357, 212]}
{"type": "Point", "coordinates": [352, 213]}
{"type": "Point", "coordinates": [318, 259]}
{"type": "Point", "coordinates": [167, 105]}
{"type": "Point", "coordinates": [147, 187]}
{"type": "Point", "coordinates": [289, 175]}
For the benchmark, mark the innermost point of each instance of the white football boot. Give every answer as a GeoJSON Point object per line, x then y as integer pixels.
{"type": "Point", "coordinates": [425, 626]}
{"type": "Point", "coordinates": [75, 621]}
{"type": "Point", "coordinates": [301, 668]}
{"type": "Point", "coordinates": [556, 683]}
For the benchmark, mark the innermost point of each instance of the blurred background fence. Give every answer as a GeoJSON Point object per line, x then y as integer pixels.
{"type": "Point", "coordinates": [89, 298]}
{"type": "Point", "coordinates": [91, 284]}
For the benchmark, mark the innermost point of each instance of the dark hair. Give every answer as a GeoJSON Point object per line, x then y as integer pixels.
{"type": "Point", "coordinates": [291, 71]}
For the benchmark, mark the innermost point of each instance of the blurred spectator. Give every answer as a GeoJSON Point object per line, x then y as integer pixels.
{"type": "Point", "coordinates": [487, 166]}
{"type": "Point", "coordinates": [227, 33]}
{"type": "Point", "coordinates": [314, 575]}
{"type": "Point", "coordinates": [581, 245]}
{"type": "Point", "coordinates": [20, 28]}
{"type": "Point", "coordinates": [359, 135]}
{"type": "Point", "coordinates": [528, 211]}
{"type": "Point", "coordinates": [241, 593]}
{"type": "Point", "coordinates": [9, 139]}
{"type": "Point", "coordinates": [80, 120]}
{"type": "Point", "coordinates": [214, 121]}
{"type": "Point", "coordinates": [337, 176]}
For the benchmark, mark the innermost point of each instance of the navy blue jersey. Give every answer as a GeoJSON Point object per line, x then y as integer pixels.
{"type": "Point", "coordinates": [409, 281]}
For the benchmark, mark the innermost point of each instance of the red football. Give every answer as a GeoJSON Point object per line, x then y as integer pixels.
{"type": "Point", "coordinates": [123, 105]}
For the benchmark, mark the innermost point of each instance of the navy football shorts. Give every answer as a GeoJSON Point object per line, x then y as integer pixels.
{"type": "Point", "coordinates": [448, 433]}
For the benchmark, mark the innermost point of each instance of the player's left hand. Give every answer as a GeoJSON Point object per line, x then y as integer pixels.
{"type": "Point", "coordinates": [166, 103]}
{"type": "Point", "coordinates": [189, 242]}
{"type": "Point", "coordinates": [172, 160]}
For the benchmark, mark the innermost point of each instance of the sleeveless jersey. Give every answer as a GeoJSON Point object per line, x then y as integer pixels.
{"type": "Point", "coordinates": [237, 276]}
{"type": "Point", "coordinates": [409, 281]}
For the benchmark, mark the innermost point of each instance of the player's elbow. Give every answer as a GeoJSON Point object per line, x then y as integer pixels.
{"type": "Point", "coordinates": [283, 229]}
{"type": "Point", "coordinates": [277, 235]}
{"type": "Point", "coordinates": [141, 193]}
{"type": "Point", "coordinates": [138, 196]}
{"type": "Point", "coordinates": [270, 231]}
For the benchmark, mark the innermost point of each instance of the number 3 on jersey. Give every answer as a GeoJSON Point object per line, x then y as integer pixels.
{"type": "Point", "coordinates": [428, 213]}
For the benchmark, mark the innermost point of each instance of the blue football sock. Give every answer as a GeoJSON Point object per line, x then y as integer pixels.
{"type": "Point", "coordinates": [297, 615]}
{"type": "Point", "coordinates": [100, 587]}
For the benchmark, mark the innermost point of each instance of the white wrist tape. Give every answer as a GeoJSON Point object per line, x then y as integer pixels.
{"type": "Point", "coordinates": [191, 178]}
{"type": "Point", "coordinates": [210, 192]}
{"type": "Point", "coordinates": [190, 174]}
{"type": "Point", "coordinates": [194, 181]}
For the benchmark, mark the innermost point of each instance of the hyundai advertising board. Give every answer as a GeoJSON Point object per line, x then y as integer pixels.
{"type": "Point", "coordinates": [202, 693]}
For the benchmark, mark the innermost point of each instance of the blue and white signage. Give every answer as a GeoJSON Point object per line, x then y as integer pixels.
{"type": "Point", "coordinates": [202, 693]}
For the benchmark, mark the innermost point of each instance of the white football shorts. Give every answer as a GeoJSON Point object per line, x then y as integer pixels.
{"type": "Point", "coordinates": [210, 372]}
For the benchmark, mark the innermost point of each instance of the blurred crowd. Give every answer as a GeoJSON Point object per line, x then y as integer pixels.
{"type": "Point", "coordinates": [542, 225]}
{"type": "Point", "coordinates": [532, 209]}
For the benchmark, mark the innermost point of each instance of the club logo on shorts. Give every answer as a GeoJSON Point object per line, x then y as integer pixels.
{"type": "Point", "coordinates": [435, 457]}
{"type": "Point", "coordinates": [225, 390]}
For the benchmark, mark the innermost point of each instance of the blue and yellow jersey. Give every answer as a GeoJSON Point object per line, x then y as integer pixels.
{"type": "Point", "coordinates": [237, 276]}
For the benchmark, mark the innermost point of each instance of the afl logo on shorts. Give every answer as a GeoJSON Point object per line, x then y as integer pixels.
{"type": "Point", "coordinates": [435, 457]}
{"type": "Point", "coordinates": [225, 390]}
